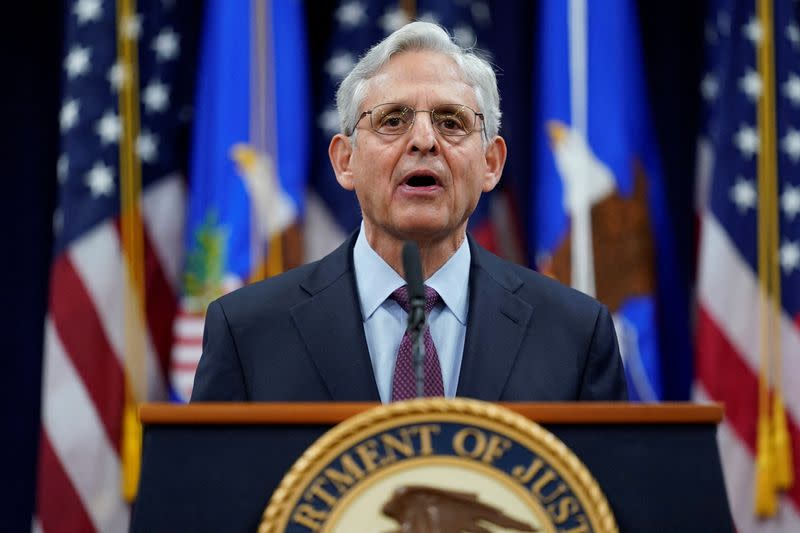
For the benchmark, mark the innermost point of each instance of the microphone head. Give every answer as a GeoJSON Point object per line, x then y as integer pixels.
{"type": "Point", "coordinates": [413, 270]}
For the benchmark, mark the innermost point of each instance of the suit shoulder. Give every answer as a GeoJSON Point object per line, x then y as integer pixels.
{"type": "Point", "coordinates": [538, 289]}
{"type": "Point", "coordinates": [277, 293]}
{"type": "Point", "coordinates": [272, 298]}
{"type": "Point", "coordinates": [555, 290]}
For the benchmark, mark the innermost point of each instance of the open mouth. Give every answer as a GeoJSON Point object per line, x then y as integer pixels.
{"type": "Point", "coordinates": [421, 181]}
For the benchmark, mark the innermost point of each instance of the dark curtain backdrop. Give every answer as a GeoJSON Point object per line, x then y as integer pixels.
{"type": "Point", "coordinates": [30, 62]}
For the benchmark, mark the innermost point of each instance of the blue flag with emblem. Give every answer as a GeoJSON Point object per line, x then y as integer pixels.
{"type": "Point", "coordinates": [600, 221]}
{"type": "Point", "coordinates": [248, 165]}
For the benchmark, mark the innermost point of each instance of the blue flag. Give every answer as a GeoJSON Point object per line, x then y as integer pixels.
{"type": "Point", "coordinates": [600, 221]}
{"type": "Point", "coordinates": [248, 162]}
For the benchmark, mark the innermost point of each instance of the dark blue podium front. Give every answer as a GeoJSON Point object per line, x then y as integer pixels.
{"type": "Point", "coordinates": [213, 467]}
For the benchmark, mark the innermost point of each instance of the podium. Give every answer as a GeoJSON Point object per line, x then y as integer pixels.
{"type": "Point", "coordinates": [213, 467]}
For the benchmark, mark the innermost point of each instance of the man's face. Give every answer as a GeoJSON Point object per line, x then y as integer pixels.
{"type": "Point", "coordinates": [420, 185]}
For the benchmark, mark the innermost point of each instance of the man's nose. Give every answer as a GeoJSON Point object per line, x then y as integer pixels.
{"type": "Point", "coordinates": [423, 137]}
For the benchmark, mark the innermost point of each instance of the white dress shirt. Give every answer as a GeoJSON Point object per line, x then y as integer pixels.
{"type": "Point", "coordinates": [385, 320]}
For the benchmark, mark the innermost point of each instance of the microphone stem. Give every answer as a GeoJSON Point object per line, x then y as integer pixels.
{"type": "Point", "coordinates": [418, 343]}
{"type": "Point", "coordinates": [417, 325]}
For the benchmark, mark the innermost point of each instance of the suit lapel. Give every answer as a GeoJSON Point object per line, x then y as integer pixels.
{"type": "Point", "coordinates": [331, 326]}
{"type": "Point", "coordinates": [497, 323]}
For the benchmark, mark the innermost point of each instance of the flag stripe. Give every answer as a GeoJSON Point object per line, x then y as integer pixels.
{"type": "Point", "coordinates": [59, 506]}
{"type": "Point", "coordinates": [721, 269]}
{"type": "Point", "coordinates": [75, 431]}
{"type": "Point", "coordinates": [727, 379]}
{"type": "Point", "coordinates": [97, 259]}
{"type": "Point", "coordinates": [83, 338]}
{"type": "Point", "coordinates": [188, 331]}
{"type": "Point", "coordinates": [163, 209]}
{"type": "Point", "coordinates": [738, 467]}
{"type": "Point", "coordinates": [191, 343]}
{"type": "Point", "coordinates": [161, 305]}
{"type": "Point", "coordinates": [189, 324]}
{"type": "Point", "coordinates": [717, 371]}
{"type": "Point", "coordinates": [189, 367]}
{"type": "Point", "coordinates": [741, 468]}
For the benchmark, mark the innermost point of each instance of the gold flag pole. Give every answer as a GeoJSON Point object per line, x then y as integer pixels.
{"type": "Point", "coordinates": [132, 247]}
{"type": "Point", "coordinates": [765, 497]}
{"type": "Point", "coordinates": [780, 436]}
{"type": "Point", "coordinates": [773, 454]}
{"type": "Point", "coordinates": [781, 443]}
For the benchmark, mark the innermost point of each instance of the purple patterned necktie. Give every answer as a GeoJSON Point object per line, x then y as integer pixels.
{"type": "Point", "coordinates": [403, 383]}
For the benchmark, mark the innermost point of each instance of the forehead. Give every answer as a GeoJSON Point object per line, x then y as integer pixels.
{"type": "Point", "coordinates": [419, 78]}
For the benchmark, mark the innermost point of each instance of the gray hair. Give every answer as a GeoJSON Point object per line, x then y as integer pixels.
{"type": "Point", "coordinates": [476, 72]}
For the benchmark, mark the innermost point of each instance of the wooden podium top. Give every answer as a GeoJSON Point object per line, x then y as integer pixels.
{"type": "Point", "coordinates": [333, 413]}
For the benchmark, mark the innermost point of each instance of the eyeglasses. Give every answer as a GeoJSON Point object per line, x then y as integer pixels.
{"type": "Point", "coordinates": [451, 120]}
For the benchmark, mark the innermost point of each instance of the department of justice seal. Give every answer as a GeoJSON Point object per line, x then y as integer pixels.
{"type": "Point", "coordinates": [437, 465]}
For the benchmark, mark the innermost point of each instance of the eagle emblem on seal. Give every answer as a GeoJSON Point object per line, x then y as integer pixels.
{"type": "Point", "coordinates": [421, 509]}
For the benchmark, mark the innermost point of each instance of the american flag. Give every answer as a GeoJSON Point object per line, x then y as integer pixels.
{"type": "Point", "coordinates": [333, 212]}
{"type": "Point", "coordinates": [79, 478]}
{"type": "Point", "coordinates": [729, 324]}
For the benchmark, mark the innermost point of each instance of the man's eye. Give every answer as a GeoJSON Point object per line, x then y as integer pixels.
{"type": "Point", "coordinates": [392, 121]}
{"type": "Point", "coordinates": [450, 123]}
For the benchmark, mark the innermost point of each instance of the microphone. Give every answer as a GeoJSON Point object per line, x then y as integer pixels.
{"type": "Point", "coordinates": [412, 266]}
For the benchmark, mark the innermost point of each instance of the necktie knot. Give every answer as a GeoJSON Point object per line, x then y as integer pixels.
{"type": "Point", "coordinates": [401, 297]}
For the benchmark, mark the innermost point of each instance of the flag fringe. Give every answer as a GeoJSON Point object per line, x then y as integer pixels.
{"type": "Point", "coordinates": [784, 468]}
{"type": "Point", "coordinates": [766, 499]}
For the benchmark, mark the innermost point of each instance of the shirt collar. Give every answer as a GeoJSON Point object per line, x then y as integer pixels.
{"type": "Point", "coordinates": [451, 281]}
{"type": "Point", "coordinates": [376, 280]}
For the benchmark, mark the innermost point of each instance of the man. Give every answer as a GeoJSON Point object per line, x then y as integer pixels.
{"type": "Point", "coordinates": [419, 145]}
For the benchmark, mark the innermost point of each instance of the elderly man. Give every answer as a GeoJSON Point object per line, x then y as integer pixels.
{"type": "Point", "coordinates": [419, 144]}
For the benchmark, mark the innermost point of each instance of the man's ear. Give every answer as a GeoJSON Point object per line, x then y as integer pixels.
{"type": "Point", "coordinates": [495, 161]}
{"type": "Point", "coordinates": [340, 151]}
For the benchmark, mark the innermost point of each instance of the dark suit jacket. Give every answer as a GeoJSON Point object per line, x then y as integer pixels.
{"type": "Point", "coordinates": [300, 337]}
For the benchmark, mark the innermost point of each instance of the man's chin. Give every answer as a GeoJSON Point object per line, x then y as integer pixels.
{"type": "Point", "coordinates": [420, 230]}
